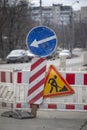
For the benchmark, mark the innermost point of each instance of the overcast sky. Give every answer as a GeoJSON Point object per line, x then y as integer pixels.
{"type": "Point", "coordinates": [76, 5]}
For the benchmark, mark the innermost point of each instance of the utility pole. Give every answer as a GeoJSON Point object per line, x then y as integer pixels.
{"type": "Point", "coordinates": [63, 32]}
{"type": "Point", "coordinates": [40, 12]}
{"type": "Point", "coordinates": [72, 38]}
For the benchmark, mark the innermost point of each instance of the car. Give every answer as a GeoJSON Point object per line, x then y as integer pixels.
{"type": "Point", "coordinates": [65, 53]}
{"type": "Point", "coordinates": [18, 55]}
{"type": "Point", "coordinates": [30, 55]}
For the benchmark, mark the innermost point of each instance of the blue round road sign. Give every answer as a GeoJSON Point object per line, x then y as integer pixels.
{"type": "Point", "coordinates": [41, 41]}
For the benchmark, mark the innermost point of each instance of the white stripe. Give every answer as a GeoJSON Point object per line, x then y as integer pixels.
{"type": "Point", "coordinates": [34, 60]}
{"type": "Point", "coordinates": [7, 76]}
{"type": "Point", "coordinates": [12, 97]}
{"type": "Point", "coordinates": [4, 93]}
{"type": "Point", "coordinates": [1, 90]}
{"type": "Point", "coordinates": [79, 78]}
{"type": "Point", "coordinates": [44, 106]}
{"type": "Point", "coordinates": [79, 106]}
{"type": "Point", "coordinates": [63, 74]}
{"type": "Point", "coordinates": [61, 106]}
{"type": "Point", "coordinates": [39, 67]}
{"type": "Point", "coordinates": [25, 76]}
{"type": "Point", "coordinates": [79, 94]}
{"type": "Point", "coordinates": [35, 93]}
{"type": "Point", "coordinates": [47, 39]}
{"type": "Point", "coordinates": [35, 42]}
{"type": "Point", "coordinates": [39, 101]}
{"type": "Point", "coordinates": [38, 79]}
{"type": "Point", "coordinates": [9, 95]}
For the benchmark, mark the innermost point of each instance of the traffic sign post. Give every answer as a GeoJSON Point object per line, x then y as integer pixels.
{"type": "Point", "coordinates": [41, 41]}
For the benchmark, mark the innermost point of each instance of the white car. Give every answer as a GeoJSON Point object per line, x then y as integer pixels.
{"type": "Point", "coordinates": [65, 53]}
{"type": "Point", "coordinates": [18, 55]}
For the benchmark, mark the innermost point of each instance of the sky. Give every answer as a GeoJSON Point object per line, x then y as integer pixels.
{"type": "Point", "coordinates": [73, 3]}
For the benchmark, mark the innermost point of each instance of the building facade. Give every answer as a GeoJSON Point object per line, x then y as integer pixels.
{"type": "Point", "coordinates": [84, 14]}
{"type": "Point", "coordinates": [57, 13]}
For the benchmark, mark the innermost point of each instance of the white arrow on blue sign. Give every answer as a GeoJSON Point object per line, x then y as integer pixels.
{"type": "Point", "coordinates": [41, 41]}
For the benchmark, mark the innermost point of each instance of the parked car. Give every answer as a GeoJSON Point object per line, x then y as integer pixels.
{"type": "Point", "coordinates": [18, 55]}
{"type": "Point", "coordinates": [30, 55]}
{"type": "Point", "coordinates": [66, 53]}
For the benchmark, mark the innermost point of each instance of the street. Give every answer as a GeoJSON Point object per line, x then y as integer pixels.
{"type": "Point", "coordinates": [43, 65]}
{"type": "Point", "coordinates": [74, 62]}
{"type": "Point", "coordinates": [46, 120]}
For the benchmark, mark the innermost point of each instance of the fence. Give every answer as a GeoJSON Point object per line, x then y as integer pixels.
{"type": "Point", "coordinates": [14, 86]}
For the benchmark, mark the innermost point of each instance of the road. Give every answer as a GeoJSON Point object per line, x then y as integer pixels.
{"type": "Point", "coordinates": [75, 62]}
{"type": "Point", "coordinates": [52, 120]}
{"type": "Point", "coordinates": [48, 119]}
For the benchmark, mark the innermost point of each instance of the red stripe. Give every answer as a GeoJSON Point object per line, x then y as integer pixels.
{"type": "Point", "coordinates": [11, 78]}
{"type": "Point", "coordinates": [71, 106]}
{"type": "Point", "coordinates": [3, 76]}
{"type": "Point", "coordinates": [36, 86]}
{"type": "Point", "coordinates": [70, 78]}
{"type": "Point", "coordinates": [38, 62]}
{"type": "Point", "coordinates": [33, 100]}
{"type": "Point", "coordinates": [85, 79]}
{"type": "Point", "coordinates": [19, 77]}
{"type": "Point", "coordinates": [37, 74]}
{"type": "Point", "coordinates": [52, 106]}
{"type": "Point", "coordinates": [4, 104]}
{"type": "Point", "coordinates": [85, 107]}
{"type": "Point", "coordinates": [18, 105]}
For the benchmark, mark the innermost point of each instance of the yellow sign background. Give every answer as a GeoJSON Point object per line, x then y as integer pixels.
{"type": "Point", "coordinates": [63, 87]}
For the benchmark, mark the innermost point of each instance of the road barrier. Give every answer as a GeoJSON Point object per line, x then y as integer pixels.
{"type": "Point", "coordinates": [14, 87]}
{"type": "Point", "coordinates": [6, 89]}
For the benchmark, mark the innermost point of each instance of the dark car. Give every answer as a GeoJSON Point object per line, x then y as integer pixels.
{"type": "Point", "coordinates": [17, 56]}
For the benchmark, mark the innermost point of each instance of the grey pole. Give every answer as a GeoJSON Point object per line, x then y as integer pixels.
{"type": "Point", "coordinates": [40, 12]}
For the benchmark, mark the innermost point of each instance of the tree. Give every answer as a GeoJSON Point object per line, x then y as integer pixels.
{"type": "Point", "coordinates": [15, 23]}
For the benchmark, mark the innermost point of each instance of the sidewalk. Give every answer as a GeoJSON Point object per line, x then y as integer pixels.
{"type": "Point", "coordinates": [52, 114]}
{"type": "Point", "coordinates": [46, 120]}
{"type": "Point", "coordinates": [56, 114]}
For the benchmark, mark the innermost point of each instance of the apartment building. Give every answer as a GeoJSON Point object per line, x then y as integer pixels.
{"type": "Point", "coordinates": [84, 14]}
{"type": "Point", "coordinates": [57, 13]}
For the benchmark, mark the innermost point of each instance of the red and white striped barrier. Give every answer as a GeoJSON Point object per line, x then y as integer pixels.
{"type": "Point", "coordinates": [8, 105]}
{"type": "Point", "coordinates": [6, 93]}
{"type": "Point", "coordinates": [36, 81]}
{"type": "Point", "coordinates": [20, 82]}
{"type": "Point", "coordinates": [22, 77]}
{"type": "Point", "coordinates": [75, 78]}
{"type": "Point", "coordinates": [58, 106]}
{"type": "Point", "coordinates": [6, 88]}
{"type": "Point", "coordinates": [49, 106]}
{"type": "Point", "coordinates": [6, 77]}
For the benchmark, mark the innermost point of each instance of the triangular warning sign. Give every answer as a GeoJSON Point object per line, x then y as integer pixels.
{"type": "Point", "coordinates": [55, 84]}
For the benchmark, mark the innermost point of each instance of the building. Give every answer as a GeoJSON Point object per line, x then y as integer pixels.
{"type": "Point", "coordinates": [84, 14]}
{"type": "Point", "coordinates": [46, 14]}
{"type": "Point", "coordinates": [57, 13]}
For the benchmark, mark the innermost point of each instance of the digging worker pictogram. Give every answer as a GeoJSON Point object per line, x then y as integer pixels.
{"type": "Point", "coordinates": [53, 83]}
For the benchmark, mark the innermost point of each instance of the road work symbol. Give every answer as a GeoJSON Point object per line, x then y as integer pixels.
{"type": "Point", "coordinates": [55, 84]}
